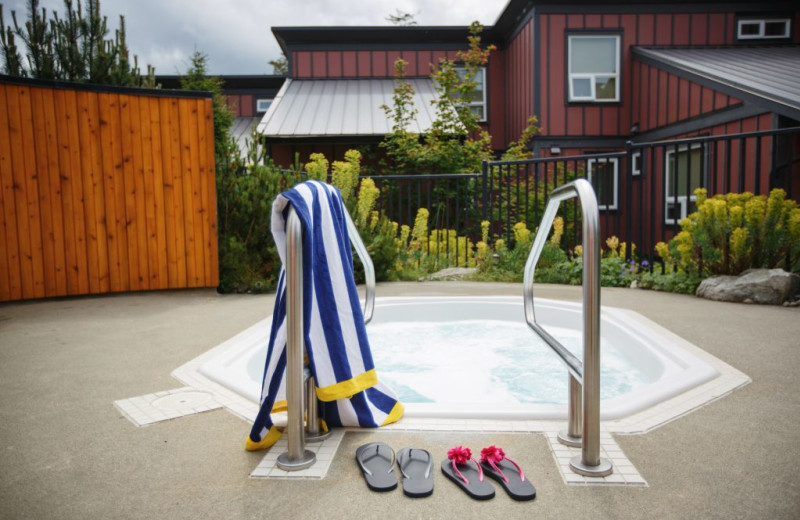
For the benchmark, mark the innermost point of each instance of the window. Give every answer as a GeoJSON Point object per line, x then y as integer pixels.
{"type": "Point", "coordinates": [764, 29]}
{"type": "Point", "coordinates": [262, 105]}
{"type": "Point", "coordinates": [477, 102]}
{"type": "Point", "coordinates": [593, 68]}
{"type": "Point", "coordinates": [602, 175]}
{"type": "Point", "coordinates": [685, 171]}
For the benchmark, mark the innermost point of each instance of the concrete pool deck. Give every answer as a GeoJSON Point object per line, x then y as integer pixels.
{"type": "Point", "coordinates": [68, 453]}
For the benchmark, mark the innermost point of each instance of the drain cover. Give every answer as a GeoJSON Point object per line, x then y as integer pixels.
{"type": "Point", "coordinates": [190, 400]}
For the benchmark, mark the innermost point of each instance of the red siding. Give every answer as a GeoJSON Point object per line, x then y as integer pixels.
{"type": "Point", "coordinates": [364, 64]}
{"type": "Point", "coordinates": [246, 105]}
{"type": "Point", "coordinates": [519, 86]}
{"type": "Point", "coordinates": [665, 100]}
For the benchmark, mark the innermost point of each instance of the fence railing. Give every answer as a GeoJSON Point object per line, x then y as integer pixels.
{"type": "Point", "coordinates": [643, 192]}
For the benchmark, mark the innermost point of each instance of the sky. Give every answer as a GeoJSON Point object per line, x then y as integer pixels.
{"type": "Point", "coordinates": [236, 34]}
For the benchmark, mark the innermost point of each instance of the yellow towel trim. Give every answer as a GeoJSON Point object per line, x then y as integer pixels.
{"type": "Point", "coordinates": [271, 438]}
{"type": "Point", "coordinates": [349, 388]}
{"type": "Point", "coordinates": [280, 406]}
{"type": "Point", "coordinates": [395, 415]}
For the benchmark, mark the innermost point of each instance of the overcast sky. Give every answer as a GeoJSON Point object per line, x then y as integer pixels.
{"type": "Point", "coordinates": [236, 34]}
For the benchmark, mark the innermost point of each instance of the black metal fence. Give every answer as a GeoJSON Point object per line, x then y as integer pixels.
{"type": "Point", "coordinates": [643, 191]}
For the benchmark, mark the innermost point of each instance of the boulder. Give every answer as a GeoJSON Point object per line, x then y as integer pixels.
{"type": "Point", "coordinates": [453, 273]}
{"type": "Point", "coordinates": [766, 286]}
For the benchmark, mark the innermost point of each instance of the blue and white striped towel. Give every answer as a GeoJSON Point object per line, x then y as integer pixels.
{"type": "Point", "coordinates": [335, 336]}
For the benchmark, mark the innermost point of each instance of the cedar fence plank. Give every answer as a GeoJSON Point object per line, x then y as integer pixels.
{"type": "Point", "coordinates": [131, 220]}
{"type": "Point", "coordinates": [151, 205]}
{"type": "Point", "coordinates": [159, 191]}
{"type": "Point", "coordinates": [45, 201]}
{"type": "Point", "coordinates": [67, 114]}
{"type": "Point", "coordinates": [10, 214]}
{"type": "Point", "coordinates": [111, 160]}
{"type": "Point", "coordinates": [188, 179]}
{"type": "Point", "coordinates": [57, 240]}
{"type": "Point", "coordinates": [206, 147]}
{"type": "Point", "coordinates": [21, 192]}
{"type": "Point", "coordinates": [32, 181]}
{"type": "Point", "coordinates": [200, 232]}
{"type": "Point", "coordinates": [97, 247]}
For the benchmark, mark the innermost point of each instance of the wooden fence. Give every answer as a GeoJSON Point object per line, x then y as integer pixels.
{"type": "Point", "coordinates": [104, 190]}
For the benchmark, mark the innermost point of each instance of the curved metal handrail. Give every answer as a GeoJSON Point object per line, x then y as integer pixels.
{"type": "Point", "coordinates": [586, 373]}
{"type": "Point", "coordinates": [369, 268]}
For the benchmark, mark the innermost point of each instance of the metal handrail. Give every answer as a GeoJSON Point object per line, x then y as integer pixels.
{"type": "Point", "coordinates": [297, 457]}
{"type": "Point", "coordinates": [369, 268]}
{"type": "Point", "coordinates": [584, 410]}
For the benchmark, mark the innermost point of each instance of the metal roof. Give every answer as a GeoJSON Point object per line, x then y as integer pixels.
{"type": "Point", "coordinates": [241, 130]}
{"type": "Point", "coordinates": [342, 107]}
{"type": "Point", "coordinates": [767, 76]}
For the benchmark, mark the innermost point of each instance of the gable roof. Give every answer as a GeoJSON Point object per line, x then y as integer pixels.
{"type": "Point", "coordinates": [342, 108]}
{"type": "Point", "coordinates": [766, 76]}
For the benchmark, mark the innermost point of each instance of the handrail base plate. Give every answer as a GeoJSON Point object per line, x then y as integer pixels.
{"type": "Point", "coordinates": [603, 468]}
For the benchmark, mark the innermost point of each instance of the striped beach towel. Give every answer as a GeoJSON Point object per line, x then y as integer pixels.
{"type": "Point", "coordinates": [336, 340]}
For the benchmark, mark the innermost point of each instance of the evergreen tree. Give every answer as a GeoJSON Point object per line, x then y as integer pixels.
{"type": "Point", "coordinates": [72, 48]}
{"type": "Point", "coordinates": [12, 59]}
{"type": "Point", "coordinates": [196, 79]}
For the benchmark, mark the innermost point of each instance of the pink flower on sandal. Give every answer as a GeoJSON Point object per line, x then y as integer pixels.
{"type": "Point", "coordinates": [493, 456]}
{"type": "Point", "coordinates": [460, 456]}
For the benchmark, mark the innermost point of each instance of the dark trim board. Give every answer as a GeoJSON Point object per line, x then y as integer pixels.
{"type": "Point", "coordinates": [326, 47]}
{"type": "Point", "coordinates": [93, 87]}
{"type": "Point", "coordinates": [727, 115]}
{"type": "Point", "coordinates": [311, 140]}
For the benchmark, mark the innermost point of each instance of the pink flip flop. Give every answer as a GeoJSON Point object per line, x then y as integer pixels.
{"type": "Point", "coordinates": [468, 477]}
{"type": "Point", "coordinates": [507, 473]}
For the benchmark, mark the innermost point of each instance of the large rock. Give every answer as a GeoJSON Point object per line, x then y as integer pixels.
{"type": "Point", "coordinates": [767, 286]}
{"type": "Point", "coordinates": [453, 273]}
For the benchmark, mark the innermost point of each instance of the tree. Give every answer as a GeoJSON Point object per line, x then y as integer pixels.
{"type": "Point", "coordinates": [12, 59]}
{"type": "Point", "coordinates": [456, 142]}
{"type": "Point", "coordinates": [402, 18]}
{"type": "Point", "coordinates": [280, 66]}
{"type": "Point", "coordinates": [72, 48]}
{"type": "Point", "coordinates": [196, 78]}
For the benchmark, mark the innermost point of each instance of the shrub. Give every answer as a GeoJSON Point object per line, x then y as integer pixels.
{"type": "Point", "coordinates": [731, 233]}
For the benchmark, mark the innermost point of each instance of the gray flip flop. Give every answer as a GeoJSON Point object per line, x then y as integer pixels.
{"type": "Point", "coordinates": [469, 478]}
{"type": "Point", "coordinates": [416, 465]}
{"type": "Point", "coordinates": [376, 461]}
{"type": "Point", "coordinates": [510, 476]}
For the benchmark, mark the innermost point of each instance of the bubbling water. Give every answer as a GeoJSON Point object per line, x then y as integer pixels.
{"type": "Point", "coordinates": [486, 361]}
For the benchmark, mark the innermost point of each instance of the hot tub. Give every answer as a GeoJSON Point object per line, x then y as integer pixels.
{"type": "Point", "coordinates": [474, 357]}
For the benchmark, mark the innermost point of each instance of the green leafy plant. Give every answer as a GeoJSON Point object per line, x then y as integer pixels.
{"type": "Point", "coordinates": [731, 233]}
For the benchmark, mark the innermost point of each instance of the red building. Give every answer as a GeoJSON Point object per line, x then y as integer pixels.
{"type": "Point", "coordinates": [602, 77]}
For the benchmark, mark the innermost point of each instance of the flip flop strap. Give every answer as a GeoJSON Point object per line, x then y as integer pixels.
{"type": "Point", "coordinates": [376, 454]}
{"type": "Point", "coordinates": [505, 478]}
{"type": "Point", "coordinates": [465, 479]}
{"type": "Point", "coordinates": [428, 469]}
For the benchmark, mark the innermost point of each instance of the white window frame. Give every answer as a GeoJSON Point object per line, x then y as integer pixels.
{"type": "Point", "coordinates": [636, 164]}
{"type": "Point", "coordinates": [589, 173]}
{"type": "Point", "coordinates": [258, 105]}
{"type": "Point", "coordinates": [592, 77]}
{"type": "Point", "coordinates": [762, 23]}
{"type": "Point", "coordinates": [482, 103]}
{"type": "Point", "coordinates": [682, 200]}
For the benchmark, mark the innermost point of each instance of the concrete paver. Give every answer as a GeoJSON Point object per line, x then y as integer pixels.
{"type": "Point", "coordinates": [66, 452]}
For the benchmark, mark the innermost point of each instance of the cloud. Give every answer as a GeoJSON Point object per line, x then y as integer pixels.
{"type": "Point", "coordinates": [236, 34]}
